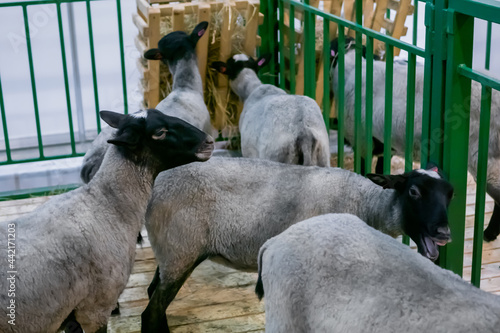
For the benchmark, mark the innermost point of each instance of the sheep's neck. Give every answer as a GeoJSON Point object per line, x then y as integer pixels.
{"type": "Point", "coordinates": [186, 74]}
{"type": "Point", "coordinates": [384, 211]}
{"type": "Point", "coordinates": [245, 83]}
{"type": "Point", "coordinates": [124, 184]}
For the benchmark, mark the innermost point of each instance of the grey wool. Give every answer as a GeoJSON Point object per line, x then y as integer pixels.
{"type": "Point", "coordinates": [275, 125]}
{"type": "Point", "coordinates": [335, 274]}
{"type": "Point", "coordinates": [225, 209]}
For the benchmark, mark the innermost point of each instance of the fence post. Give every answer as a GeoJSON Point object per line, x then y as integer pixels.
{"type": "Point", "coordinates": [460, 29]}
{"type": "Point", "coordinates": [269, 34]}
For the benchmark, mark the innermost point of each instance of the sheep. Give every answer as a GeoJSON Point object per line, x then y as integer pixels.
{"type": "Point", "coordinates": [75, 253]}
{"type": "Point", "coordinates": [274, 125]}
{"type": "Point", "coordinates": [399, 120]}
{"type": "Point", "coordinates": [185, 101]}
{"type": "Point", "coordinates": [333, 273]}
{"type": "Point", "coordinates": [228, 207]}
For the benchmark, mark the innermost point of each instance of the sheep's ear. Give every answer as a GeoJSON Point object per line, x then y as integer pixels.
{"type": "Point", "coordinates": [264, 60]}
{"type": "Point", "coordinates": [219, 66]}
{"type": "Point", "coordinates": [199, 31]}
{"type": "Point", "coordinates": [112, 118]}
{"type": "Point", "coordinates": [431, 166]}
{"type": "Point", "coordinates": [388, 181]}
{"type": "Point", "coordinates": [334, 47]}
{"type": "Point", "coordinates": [127, 138]}
{"type": "Point", "coordinates": [153, 54]}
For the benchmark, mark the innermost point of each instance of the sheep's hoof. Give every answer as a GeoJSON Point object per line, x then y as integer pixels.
{"type": "Point", "coordinates": [489, 235]}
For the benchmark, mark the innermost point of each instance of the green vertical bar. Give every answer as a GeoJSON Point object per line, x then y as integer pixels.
{"type": "Point", "coordinates": [482, 164]}
{"type": "Point", "coordinates": [488, 46]}
{"type": "Point", "coordinates": [340, 98]}
{"type": "Point", "coordinates": [415, 22]}
{"type": "Point", "coordinates": [369, 104]}
{"type": "Point", "coordinates": [282, 44]}
{"type": "Point", "coordinates": [92, 60]}
{"type": "Point", "coordinates": [33, 82]}
{"type": "Point", "coordinates": [426, 98]}
{"type": "Point", "coordinates": [456, 145]}
{"type": "Point", "coordinates": [122, 56]}
{"type": "Point", "coordinates": [292, 49]}
{"type": "Point", "coordinates": [326, 73]}
{"type": "Point", "coordinates": [66, 82]}
{"type": "Point", "coordinates": [410, 119]}
{"type": "Point", "coordinates": [358, 89]}
{"type": "Point", "coordinates": [389, 66]}
{"type": "Point", "coordinates": [309, 53]}
{"type": "Point", "coordinates": [4, 125]}
{"type": "Point", "coordinates": [438, 76]}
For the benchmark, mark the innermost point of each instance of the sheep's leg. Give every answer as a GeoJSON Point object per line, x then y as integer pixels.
{"type": "Point", "coordinates": [154, 319]}
{"type": "Point", "coordinates": [103, 329]}
{"type": "Point", "coordinates": [154, 283]}
{"type": "Point", "coordinates": [493, 229]}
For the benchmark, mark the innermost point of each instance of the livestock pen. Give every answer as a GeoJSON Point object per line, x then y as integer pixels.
{"type": "Point", "coordinates": [216, 298]}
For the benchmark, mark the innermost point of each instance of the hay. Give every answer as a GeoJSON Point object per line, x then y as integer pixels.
{"type": "Point", "coordinates": [224, 106]}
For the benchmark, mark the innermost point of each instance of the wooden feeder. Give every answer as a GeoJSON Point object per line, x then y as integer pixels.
{"type": "Point", "coordinates": [232, 29]}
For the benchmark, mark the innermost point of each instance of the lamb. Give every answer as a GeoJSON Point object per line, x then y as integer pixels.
{"type": "Point", "coordinates": [399, 120]}
{"type": "Point", "coordinates": [75, 253]}
{"type": "Point", "coordinates": [274, 125]}
{"type": "Point", "coordinates": [333, 273]}
{"type": "Point", "coordinates": [185, 101]}
{"type": "Point", "coordinates": [228, 207]}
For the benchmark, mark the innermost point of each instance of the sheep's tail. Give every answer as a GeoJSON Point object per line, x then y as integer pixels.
{"type": "Point", "coordinates": [259, 288]}
{"type": "Point", "coordinates": [306, 145]}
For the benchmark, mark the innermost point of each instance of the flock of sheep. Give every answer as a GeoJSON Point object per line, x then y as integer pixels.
{"type": "Point", "coordinates": [315, 234]}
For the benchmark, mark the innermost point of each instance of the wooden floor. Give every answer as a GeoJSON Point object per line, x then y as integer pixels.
{"type": "Point", "coordinates": [219, 299]}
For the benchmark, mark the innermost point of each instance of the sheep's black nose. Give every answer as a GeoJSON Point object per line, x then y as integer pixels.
{"type": "Point", "coordinates": [209, 140]}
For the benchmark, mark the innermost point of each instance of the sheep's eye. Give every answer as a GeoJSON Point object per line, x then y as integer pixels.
{"type": "Point", "coordinates": [160, 134]}
{"type": "Point", "coordinates": [414, 192]}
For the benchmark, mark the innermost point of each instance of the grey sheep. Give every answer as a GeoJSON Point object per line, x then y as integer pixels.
{"type": "Point", "coordinates": [225, 209]}
{"type": "Point", "coordinates": [333, 273]}
{"type": "Point", "coordinates": [185, 101]}
{"type": "Point", "coordinates": [273, 124]}
{"type": "Point", "coordinates": [74, 254]}
{"type": "Point", "coordinates": [399, 119]}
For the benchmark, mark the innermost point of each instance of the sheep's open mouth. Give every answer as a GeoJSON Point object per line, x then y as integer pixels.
{"type": "Point", "coordinates": [431, 246]}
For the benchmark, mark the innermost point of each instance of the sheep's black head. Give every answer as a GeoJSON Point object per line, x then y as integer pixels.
{"type": "Point", "coordinates": [177, 45]}
{"type": "Point", "coordinates": [234, 65]}
{"type": "Point", "coordinates": [151, 137]}
{"type": "Point", "coordinates": [349, 44]}
{"type": "Point", "coordinates": [425, 197]}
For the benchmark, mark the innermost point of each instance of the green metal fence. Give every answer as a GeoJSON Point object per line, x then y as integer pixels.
{"type": "Point", "coordinates": [25, 5]}
{"type": "Point", "coordinates": [447, 75]}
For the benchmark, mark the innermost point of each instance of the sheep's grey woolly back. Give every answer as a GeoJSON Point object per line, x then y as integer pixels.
{"type": "Point", "coordinates": [229, 207]}
{"type": "Point", "coordinates": [333, 273]}
{"type": "Point", "coordinates": [280, 127]}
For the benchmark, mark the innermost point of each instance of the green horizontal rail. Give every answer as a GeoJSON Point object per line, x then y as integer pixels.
{"type": "Point", "coordinates": [488, 10]}
{"type": "Point", "coordinates": [38, 159]}
{"type": "Point", "coordinates": [482, 78]}
{"type": "Point", "coordinates": [39, 2]}
{"type": "Point", "coordinates": [359, 28]}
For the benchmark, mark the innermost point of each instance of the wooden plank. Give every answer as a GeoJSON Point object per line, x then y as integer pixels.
{"type": "Point", "coordinates": [202, 46]}
{"type": "Point", "coordinates": [178, 19]}
{"type": "Point", "coordinates": [252, 24]}
{"type": "Point", "coordinates": [143, 9]}
{"type": "Point", "coordinates": [378, 22]}
{"type": "Point", "coordinates": [153, 88]}
{"type": "Point", "coordinates": [141, 25]}
{"type": "Point", "coordinates": [228, 24]}
{"type": "Point", "coordinates": [140, 46]}
{"type": "Point", "coordinates": [398, 29]}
